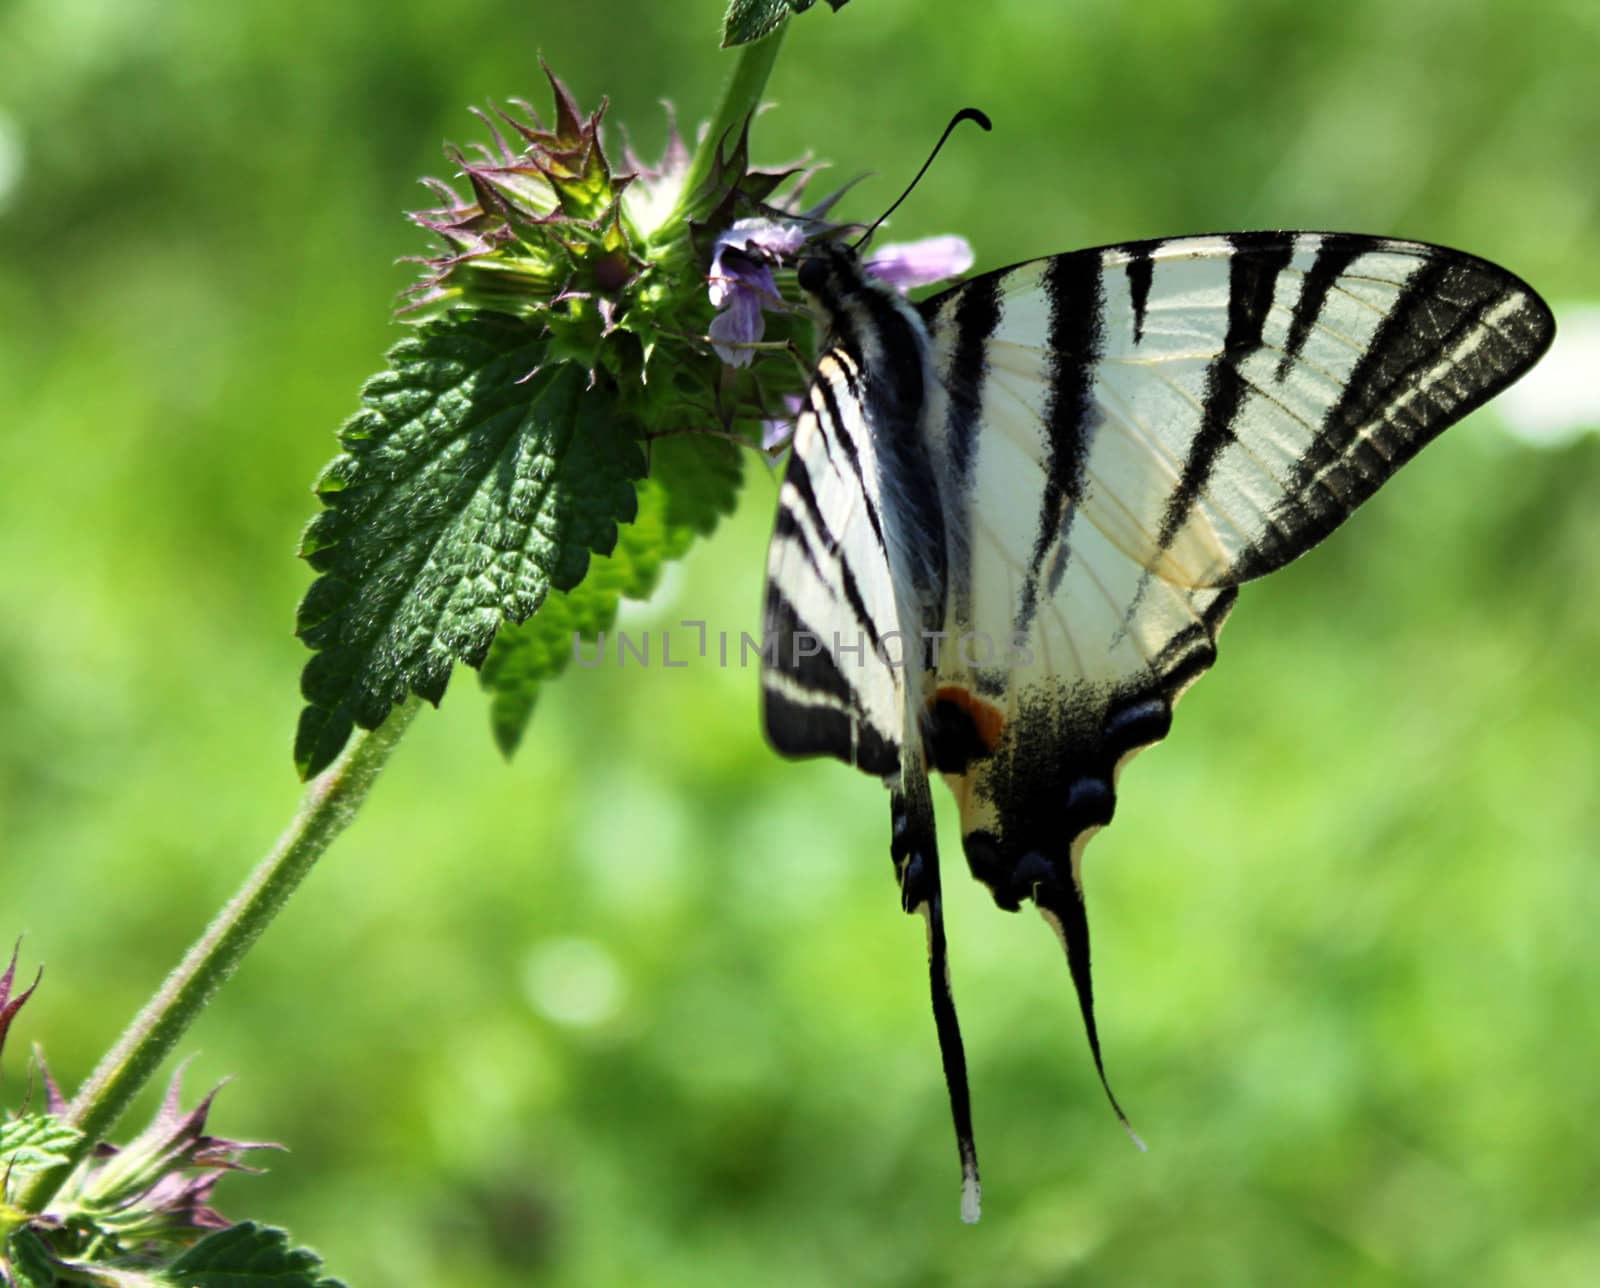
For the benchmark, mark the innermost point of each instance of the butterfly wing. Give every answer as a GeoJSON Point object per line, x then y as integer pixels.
{"type": "Point", "coordinates": [1122, 437]}
{"type": "Point", "coordinates": [833, 595]}
{"type": "Point", "coordinates": [854, 580]}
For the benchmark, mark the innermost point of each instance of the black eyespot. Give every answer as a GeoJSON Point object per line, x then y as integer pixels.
{"type": "Point", "coordinates": [812, 275]}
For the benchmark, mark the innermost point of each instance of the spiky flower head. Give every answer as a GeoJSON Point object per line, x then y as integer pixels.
{"type": "Point", "coordinates": [543, 231]}
{"type": "Point", "coordinates": [156, 1188]}
{"type": "Point", "coordinates": [125, 1211]}
{"type": "Point", "coordinates": [607, 258]}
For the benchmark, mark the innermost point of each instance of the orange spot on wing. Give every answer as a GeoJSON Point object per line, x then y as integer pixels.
{"type": "Point", "coordinates": [987, 719]}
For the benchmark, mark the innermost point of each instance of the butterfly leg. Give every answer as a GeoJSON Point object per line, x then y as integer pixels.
{"type": "Point", "coordinates": [1059, 898]}
{"type": "Point", "coordinates": [916, 857]}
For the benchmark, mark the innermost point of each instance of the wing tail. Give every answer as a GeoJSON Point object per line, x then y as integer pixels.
{"type": "Point", "coordinates": [916, 855]}
{"type": "Point", "coordinates": [1060, 902]}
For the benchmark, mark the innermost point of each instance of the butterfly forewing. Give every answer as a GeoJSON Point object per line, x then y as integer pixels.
{"type": "Point", "coordinates": [827, 683]}
{"type": "Point", "coordinates": [1125, 434]}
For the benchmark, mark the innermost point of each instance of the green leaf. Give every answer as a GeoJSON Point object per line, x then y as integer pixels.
{"type": "Point", "coordinates": [27, 1261]}
{"type": "Point", "coordinates": [248, 1256]}
{"type": "Point", "coordinates": [749, 20]}
{"type": "Point", "coordinates": [693, 482]}
{"type": "Point", "coordinates": [35, 1141]}
{"type": "Point", "coordinates": [475, 478]}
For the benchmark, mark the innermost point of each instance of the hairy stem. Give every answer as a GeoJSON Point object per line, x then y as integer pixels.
{"type": "Point", "coordinates": [740, 98]}
{"type": "Point", "coordinates": [331, 802]}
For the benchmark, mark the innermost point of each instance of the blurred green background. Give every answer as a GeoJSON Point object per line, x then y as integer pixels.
{"type": "Point", "coordinates": [641, 1007]}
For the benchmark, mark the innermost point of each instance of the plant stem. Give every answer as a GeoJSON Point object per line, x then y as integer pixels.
{"type": "Point", "coordinates": [331, 802]}
{"type": "Point", "coordinates": [740, 98]}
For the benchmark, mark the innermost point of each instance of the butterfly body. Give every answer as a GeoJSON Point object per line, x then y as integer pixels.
{"type": "Point", "coordinates": [1049, 482]}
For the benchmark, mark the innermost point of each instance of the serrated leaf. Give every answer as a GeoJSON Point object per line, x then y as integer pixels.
{"type": "Point", "coordinates": [35, 1141]}
{"type": "Point", "coordinates": [467, 490]}
{"type": "Point", "coordinates": [693, 482]}
{"type": "Point", "coordinates": [248, 1255]}
{"type": "Point", "coordinates": [27, 1261]}
{"type": "Point", "coordinates": [701, 477]}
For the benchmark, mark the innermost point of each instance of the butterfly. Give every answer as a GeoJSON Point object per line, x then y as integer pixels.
{"type": "Point", "coordinates": [1017, 514]}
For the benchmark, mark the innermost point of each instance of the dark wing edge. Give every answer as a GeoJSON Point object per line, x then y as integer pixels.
{"type": "Point", "coordinates": [1463, 330]}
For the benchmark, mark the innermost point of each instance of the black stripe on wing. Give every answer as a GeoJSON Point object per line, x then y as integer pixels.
{"type": "Point", "coordinates": [1074, 287]}
{"type": "Point", "coordinates": [826, 406]}
{"type": "Point", "coordinates": [810, 706]}
{"type": "Point", "coordinates": [977, 316]}
{"type": "Point", "coordinates": [805, 729]}
{"type": "Point", "coordinates": [1253, 272]}
{"type": "Point", "coordinates": [789, 529]}
{"type": "Point", "coordinates": [826, 688]}
{"type": "Point", "coordinates": [1333, 257]}
{"type": "Point", "coordinates": [1461, 331]}
{"type": "Point", "coordinates": [1141, 272]}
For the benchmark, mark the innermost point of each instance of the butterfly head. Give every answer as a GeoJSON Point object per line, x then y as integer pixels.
{"type": "Point", "coordinates": [812, 274]}
{"type": "Point", "coordinates": [827, 266]}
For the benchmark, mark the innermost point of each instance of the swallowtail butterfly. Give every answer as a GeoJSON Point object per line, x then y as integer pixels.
{"type": "Point", "coordinates": [1017, 514]}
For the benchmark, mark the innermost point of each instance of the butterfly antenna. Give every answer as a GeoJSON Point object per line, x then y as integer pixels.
{"type": "Point", "coordinates": [965, 114]}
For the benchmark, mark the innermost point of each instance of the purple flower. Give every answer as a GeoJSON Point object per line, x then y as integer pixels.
{"type": "Point", "coordinates": [905, 265]}
{"type": "Point", "coordinates": [777, 431]}
{"type": "Point", "coordinates": [747, 286]}
{"type": "Point", "coordinates": [741, 283]}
